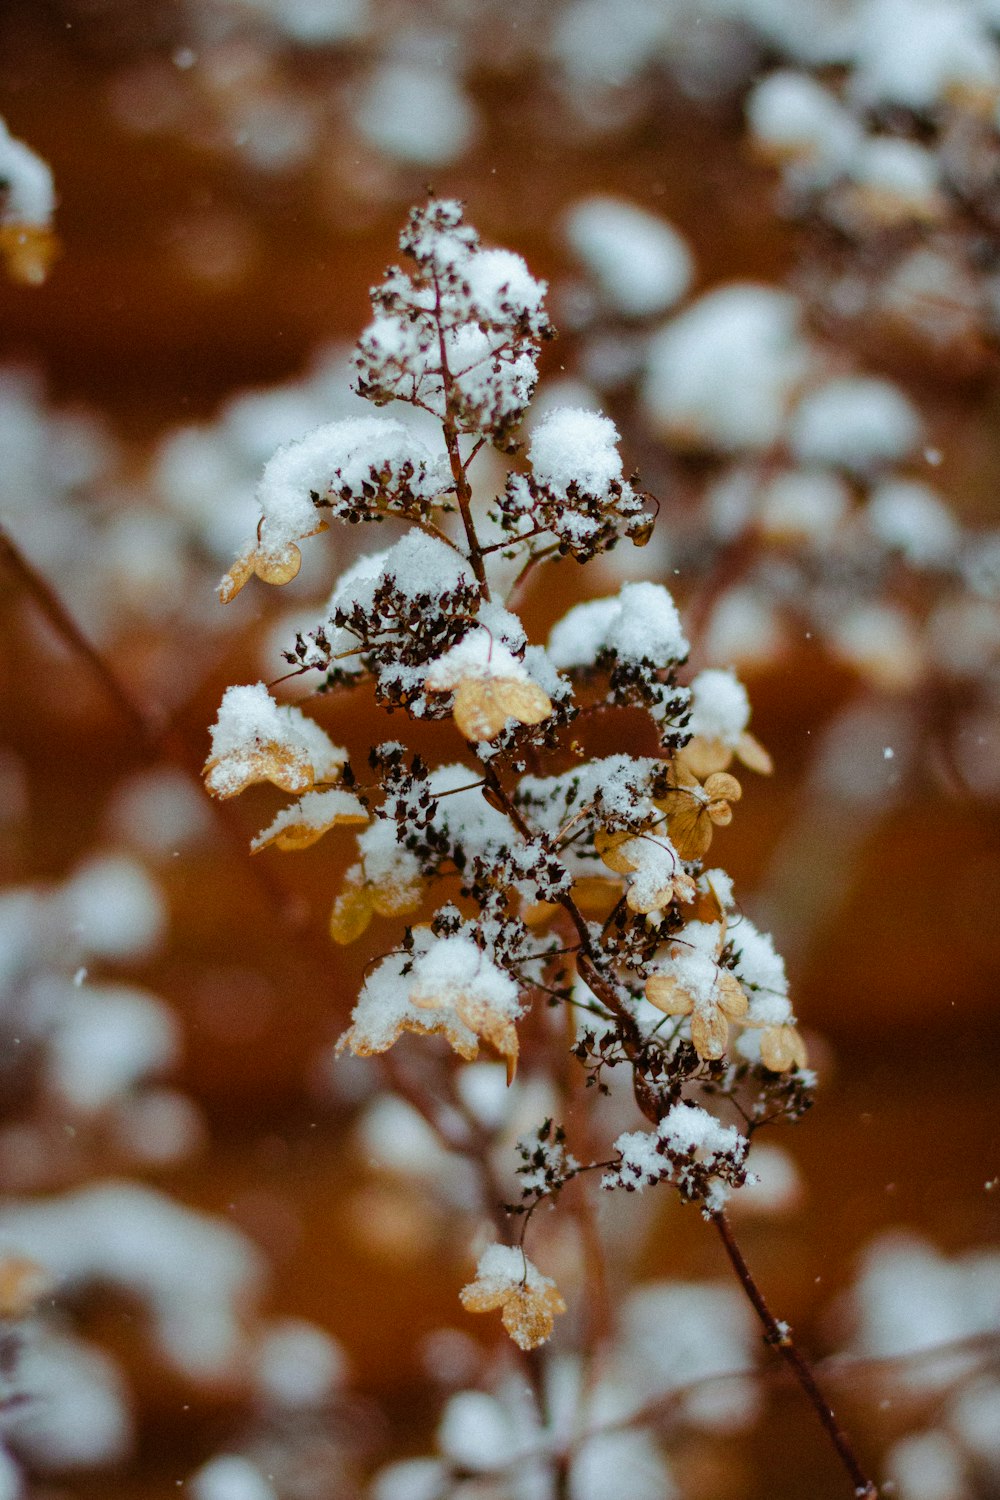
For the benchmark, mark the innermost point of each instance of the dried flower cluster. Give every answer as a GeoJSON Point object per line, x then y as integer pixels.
{"type": "Point", "coordinates": [569, 879]}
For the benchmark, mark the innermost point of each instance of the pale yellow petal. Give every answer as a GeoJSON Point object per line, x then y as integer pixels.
{"type": "Point", "coordinates": [731, 998]}
{"type": "Point", "coordinates": [351, 915]}
{"type": "Point", "coordinates": [782, 1048]}
{"type": "Point", "coordinates": [702, 756]}
{"type": "Point", "coordinates": [709, 1033]}
{"type": "Point", "coordinates": [278, 567]}
{"type": "Point", "coordinates": [663, 991]}
{"type": "Point", "coordinates": [239, 574]}
{"type": "Point", "coordinates": [753, 755]}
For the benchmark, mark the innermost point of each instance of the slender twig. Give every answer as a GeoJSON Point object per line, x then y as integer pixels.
{"type": "Point", "coordinates": [463, 492]}
{"type": "Point", "coordinates": [155, 733]}
{"type": "Point", "coordinates": [151, 729]}
{"type": "Point", "coordinates": [779, 1336]}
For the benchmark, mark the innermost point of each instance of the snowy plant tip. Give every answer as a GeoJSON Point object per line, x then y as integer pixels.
{"type": "Point", "coordinates": [255, 739]}
{"type": "Point", "coordinates": [529, 1302]}
{"type": "Point", "coordinates": [460, 336]}
{"type": "Point", "coordinates": [447, 986]}
{"type": "Point", "coordinates": [490, 686]}
{"type": "Point", "coordinates": [355, 470]}
{"type": "Point", "coordinates": [27, 200]}
{"type": "Point", "coordinates": [720, 712]}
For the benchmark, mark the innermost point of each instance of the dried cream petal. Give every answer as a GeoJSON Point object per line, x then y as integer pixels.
{"type": "Point", "coordinates": [351, 915]}
{"type": "Point", "coordinates": [752, 754]}
{"type": "Point", "coordinates": [270, 762]}
{"type": "Point", "coordinates": [396, 900]}
{"type": "Point", "coordinates": [278, 567]}
{"type": "Point", "coordinates": [483, 705]}
{"type": "Point", "coordinates": [782, 1049]}
{"type": "Point", "coordinates": [732, 1000]}
{"type": "Point", "coordinates": [239, 574]}
{"type": "Point", "coordinates": [709, 1033]}
{"type": "Point", "coordinates": [528, 1312]}
{"type": "Point", "coordinates": [610, 846]}
{"type": "Point", "coordinates": [702, 756]}
{"type": "Point", "coordinates": [663, 991]}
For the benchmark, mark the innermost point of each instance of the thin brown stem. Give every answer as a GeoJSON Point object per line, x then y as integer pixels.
{"type": "Point", "coordinates": [463, 490]}
{"type": "Point", "coordinates": [156, 735]}
{"type": "Point", "coordinates": [779, 1336]}
{"type": "Point", "coordinates": [145, 724]}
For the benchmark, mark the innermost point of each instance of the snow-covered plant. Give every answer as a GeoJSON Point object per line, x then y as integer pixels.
{"type": "Point", "coordinates": [567, 907]}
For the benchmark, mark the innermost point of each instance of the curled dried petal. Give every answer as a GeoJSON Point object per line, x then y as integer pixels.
{"type": "Point", "coordinates": [351, 915]}
{"type": "Point", "coordinates": [782, 1049]}
{"type": "Point", "coordinates": [484, 704]}
{"type": "Point", "coordinates": [664, 991]}
{"type": "Point", "coordinates": [529, 1303]}
{"type": "Point", "coordinates": [709, 1033]}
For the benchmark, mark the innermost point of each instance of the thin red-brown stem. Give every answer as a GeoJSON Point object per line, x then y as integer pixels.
{"type": "Point", "coordinates": [463, 491]}
{"type": "Point", "coordinates": [150, 730]}
{"type": "Point", "coordinates": [156, 736]}
{"type": "Point", "coordinates": [779, 1336]}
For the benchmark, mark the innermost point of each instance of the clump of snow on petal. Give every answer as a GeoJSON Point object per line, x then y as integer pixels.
{"type": "Point", "coordinates": [720, 708]}
{"type": "Point", "coordinates": [640, 623]}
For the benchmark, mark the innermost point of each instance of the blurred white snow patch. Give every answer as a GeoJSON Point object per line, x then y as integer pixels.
{"type": "Point", "coordinates": [29, 192]}
{"type": "Point", "coordinates": [158, 1127]}
{"type": "Point", "coordinates": [416, 112]}
{"type": "Point", "coordinates": [856, 422]}
{"type": "Point", "coordinates": [298, 1365]}
{"type": "Point", "coordinates": [774, 1185]}
{"type": "Point", "coordinates": [477, 1433]}
{"type": "Point", "coordinates": [912, 519]}
{"type": "Point", "coordinates": [975, 1417]}
{"type": "Point", "coordinates": [604, 44]}
{"type": "Point", "coordinates": [195, 1275]}
{"type": "Point", "coordinates": [926, 1466]}
{"type": "Point", "coordinates": [621, 1463]}
{"type": "Point", "coordinates": [639, 261]}
{"type": "Point", "coordinates": [11, 1478]}
{"type": "Point", "coordinates": [114, 908]}
{"type": "Point", "coordinates": [411, 1479]}
{"type": "Point", "coordinates": [76, 1414]}
{"type": "Point", "coordinates": [881, 643]}
{"type": "Point", "coordinates": [313, 23]}
{"type": "Point", "coordinates": [795, 120]}
{"type": "Point", "coordinates": [909, 1299]}
{"type": "Point", "coordinates": [677, 1333]}
{"type": "Point", "coordinates": [745, 629]}
{"type": "Point", "coordinates": [803, 505]}
{"type": "Point", "coordinates": [230, 1477]}
{"type": "Point", "coordinates": [158, 812]}
{"type": "Point", "coordinates": [722, 374]}
{"type": "Point", "coordinates": [108, 1039]}
{"type": "Point", "coordinates": [482, 1087]}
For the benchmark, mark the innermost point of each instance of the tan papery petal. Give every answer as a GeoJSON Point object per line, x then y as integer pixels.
{"type": "Point", "coordinates": [702, 756]}
{"type": "Point", "coordinates": [351, 915]}
{"type": "Point", "coordinates": [752, 754]}
{"type": "Point", "coordinates": [709, 1033]}
{"type": "Point", "coordinates": [663, 991]}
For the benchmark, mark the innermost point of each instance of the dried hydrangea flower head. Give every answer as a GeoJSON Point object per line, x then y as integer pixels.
{"type": "Point", "coordinates": [501, 863]}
